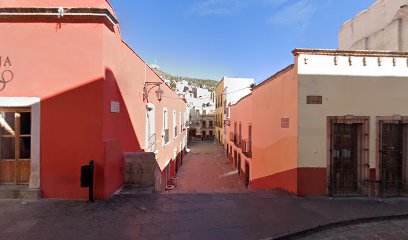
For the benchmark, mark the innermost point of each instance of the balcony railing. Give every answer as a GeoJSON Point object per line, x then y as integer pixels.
{"type": "Point", "coordinates": [152, 143]}
{"type": "Point", "coordinates": [247, 148]}
{"type": "Point", "coordinates": [166, 136]}
{"type": "Point", "coordinates": [238, 141]}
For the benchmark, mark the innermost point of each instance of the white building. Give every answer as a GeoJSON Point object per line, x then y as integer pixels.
{"type": "Point", "coordinates": [199, 103]}
{"type": "Point", "coordinates": [384, 26]}
{"type": "Point", "coordinates": [236, 88]}
{"type": "Point", "coordinates": [228, 91]}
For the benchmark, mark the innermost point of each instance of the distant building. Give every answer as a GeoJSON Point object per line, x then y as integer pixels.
{"type": "Point", "coordinates": [199, 103]}
{"type": "Point", "coordinates": [206, 127]}
{"type": "Point", "coordinates": [381, 27]}
{"type": "Point", "coordinates": [228, 91]}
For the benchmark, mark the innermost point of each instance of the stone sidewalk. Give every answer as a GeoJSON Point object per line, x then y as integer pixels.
{"type": "Point", "coordinates": [224, 210]}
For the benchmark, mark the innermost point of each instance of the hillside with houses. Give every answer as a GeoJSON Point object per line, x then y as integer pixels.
{"type": "Point", "coordinates": [173, 80]}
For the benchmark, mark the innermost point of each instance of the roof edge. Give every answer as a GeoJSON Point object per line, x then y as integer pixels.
{"type": "Point", "coordinates": [281, 72]}
{"type": "Point", "coordinates": [58, 12]}
{"type": "Point", "coordinates": [336, 52]}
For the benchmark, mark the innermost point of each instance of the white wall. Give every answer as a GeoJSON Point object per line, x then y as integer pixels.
{"type": "Point", "coordinates": [357, 90]}
{"type": "Point", "coordinates": [236, 88]}
{"type": "Point", "coordinates": [381, 27]}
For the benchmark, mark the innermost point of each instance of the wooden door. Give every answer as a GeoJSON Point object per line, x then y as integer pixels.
{"type": "Point", "coordinates": [15, 146]}
{"type": "Point", "coordinates": [391, 159]}
{"type": "Point", "coordinates": [344, 159]}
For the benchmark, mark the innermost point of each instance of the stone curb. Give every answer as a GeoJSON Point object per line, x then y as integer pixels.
{"type": "Point", "coordinates": [309, 231]}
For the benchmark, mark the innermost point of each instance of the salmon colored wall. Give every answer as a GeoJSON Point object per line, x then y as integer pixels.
{"type": "Point", "coordinates": [61, 64]}
{"type": "Point", "coordinates": [242, 112]}
{"type": "Point", "coordinates": [129, 127]}
{"type": "Point", "coordinates": [275, 148]}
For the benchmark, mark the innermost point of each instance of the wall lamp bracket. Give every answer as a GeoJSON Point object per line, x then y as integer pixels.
{"type": "Point", "coordinates": [148, 87]}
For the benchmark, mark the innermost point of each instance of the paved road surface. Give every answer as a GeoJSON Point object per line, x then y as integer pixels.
{"type": "Point", "coordinates": [206, 169]}
{"type": "Point", "coordinates": [223, 210]}
{"type": "Point", "coordinates": [387, 230]}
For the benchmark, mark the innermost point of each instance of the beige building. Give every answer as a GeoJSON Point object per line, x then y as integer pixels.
{"type": "Point", "coordinates": [207, 127]}
{"type": "Point", "coordinates": [384, 26]}
{"type": "Point", "coordinates": [358, 133]}
{"type": "Point", "coordinates": [333, 123]}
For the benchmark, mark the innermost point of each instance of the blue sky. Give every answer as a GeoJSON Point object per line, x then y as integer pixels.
{"type": "Point", "coordinates": [236, 38]}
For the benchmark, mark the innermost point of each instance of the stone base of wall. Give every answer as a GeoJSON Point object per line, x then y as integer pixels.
{"type": "Point", "coordinates": [142, 169]}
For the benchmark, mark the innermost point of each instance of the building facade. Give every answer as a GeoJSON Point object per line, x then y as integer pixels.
{"type": "Point", "coordinates": [333, 123]}
{"type": "Point", "coordinates": [77, 92]}
{"type": "Point", "coordinates": [207, 127]}
{"type": "Point", "coordinates": [219, 112]}
{"type": "Point", "coordinates": [228, 91]}
{"type": "Point", "coordinates": [381, 27]}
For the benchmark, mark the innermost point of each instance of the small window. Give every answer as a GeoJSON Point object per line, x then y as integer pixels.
{"type": "Point", "coordinates": [314, 100]}
{"type": "Point", "coordinates": [285, 122]}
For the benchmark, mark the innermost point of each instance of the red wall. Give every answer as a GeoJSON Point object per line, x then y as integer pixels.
{"type": "Point", "coordinates": [126, 75]}
{"type": "Point", "coordinates": [77, 69]}
{"type": "Point", "coordinates": [59, 64]}
{"type": "Point", "coordinates": [312, 181]}
{"type": "Point", "coordinates": [70, 137]}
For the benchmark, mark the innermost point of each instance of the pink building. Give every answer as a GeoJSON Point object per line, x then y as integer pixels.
{"type": "Point", "coordinates": [73, 91]}
{"type": "Point", "coordinates": [333, 123]}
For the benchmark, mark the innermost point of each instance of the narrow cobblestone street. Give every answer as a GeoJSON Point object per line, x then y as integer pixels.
{"type": "Point", "coordinates": [224, 209]}
{"type": "Point", "coordinates": [206, 169]}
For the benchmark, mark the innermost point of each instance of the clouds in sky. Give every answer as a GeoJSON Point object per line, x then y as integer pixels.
{"type": "Point", "coordinates": [282, 12]}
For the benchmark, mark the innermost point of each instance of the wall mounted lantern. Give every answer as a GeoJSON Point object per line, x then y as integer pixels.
{"type": "Point", "coordinates": [159, 92]}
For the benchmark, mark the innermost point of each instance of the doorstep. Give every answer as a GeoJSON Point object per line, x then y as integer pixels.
{"type": "Point", "coordinates": [19, 192]}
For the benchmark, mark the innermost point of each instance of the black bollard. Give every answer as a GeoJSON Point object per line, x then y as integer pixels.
{"type": "Point", "coordinates": [87, 178]}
